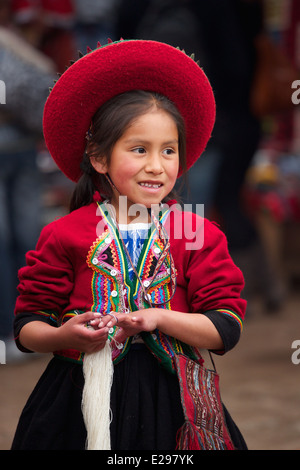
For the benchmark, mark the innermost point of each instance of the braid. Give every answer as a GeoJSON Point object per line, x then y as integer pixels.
{"type": "Point", "coordinates": [88, 184]}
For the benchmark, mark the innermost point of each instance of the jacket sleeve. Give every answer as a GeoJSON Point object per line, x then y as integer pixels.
{"type": "Point", "coordinates": [214, 282]}
{"type": "Point", "coordinates": [47, 279]}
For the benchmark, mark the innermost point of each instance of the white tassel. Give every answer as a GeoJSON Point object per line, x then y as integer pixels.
{"type": "Point", "coordinates": [98, 375]}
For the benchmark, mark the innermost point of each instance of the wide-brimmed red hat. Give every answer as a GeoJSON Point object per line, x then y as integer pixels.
{"type": "Point", "coordinates": [116, 68]}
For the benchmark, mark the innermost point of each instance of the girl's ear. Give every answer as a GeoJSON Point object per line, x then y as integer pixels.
{"type": "Point", "coordinates": [99, 164]}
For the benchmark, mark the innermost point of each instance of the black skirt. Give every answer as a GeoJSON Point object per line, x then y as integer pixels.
{"type": "Point", "coordinates": [145, 404]}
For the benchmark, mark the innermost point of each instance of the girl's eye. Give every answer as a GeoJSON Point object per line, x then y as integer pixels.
{"type": "Point", "coordinates": [139, 150]}
{"type": "Point", "coordinates": [169, 151]}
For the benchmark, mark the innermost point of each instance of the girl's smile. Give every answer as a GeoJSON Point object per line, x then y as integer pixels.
{"type": "Point", "coordinates": [144, 162]}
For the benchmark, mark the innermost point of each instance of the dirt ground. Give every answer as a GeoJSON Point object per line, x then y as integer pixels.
{"type": "Point", "coordinates": [259, 383]}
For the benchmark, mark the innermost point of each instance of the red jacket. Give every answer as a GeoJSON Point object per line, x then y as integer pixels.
{"type": "Point", "coordinates": [80, 264]}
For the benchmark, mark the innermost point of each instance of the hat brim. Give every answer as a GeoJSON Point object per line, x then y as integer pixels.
{"type": "Point", "coordinates": [116, 68]}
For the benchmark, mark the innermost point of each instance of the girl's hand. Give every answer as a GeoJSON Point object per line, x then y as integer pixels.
{"type": "Point", "coordinates": [79, 333]}
{"type": "Point", "coordinates": [191, 328]}
{"type": "Point", "coordinates": [134, 322]}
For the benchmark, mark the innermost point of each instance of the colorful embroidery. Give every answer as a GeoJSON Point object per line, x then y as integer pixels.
{"type": "Point", "coordinates": [165, 348]}
{"type": "Point", "coordinates": [111, 279]}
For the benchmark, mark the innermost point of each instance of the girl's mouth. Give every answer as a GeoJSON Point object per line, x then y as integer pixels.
{"type": "Point", "coordinates": [151, 185]}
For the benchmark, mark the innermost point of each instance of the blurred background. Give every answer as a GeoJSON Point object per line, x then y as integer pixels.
{"type": "Point", "coordinates": [248, 178]}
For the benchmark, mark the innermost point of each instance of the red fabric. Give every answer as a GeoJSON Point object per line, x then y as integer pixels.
{"type": "Point", "coordinates": [57, 277]}
{"type": "Point", "coordinates": [57, 7]}
{"type": "Point", "coordinates": [205, 425]}
{"type": "Point", "coordinates": [117, 68]}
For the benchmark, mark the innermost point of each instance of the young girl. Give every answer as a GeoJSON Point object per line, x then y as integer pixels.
{"type": "Point", "coordinates": [126, 271]}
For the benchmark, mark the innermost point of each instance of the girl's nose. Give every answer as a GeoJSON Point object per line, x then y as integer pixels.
{"type": "Point", "coordinates": [154, 164]}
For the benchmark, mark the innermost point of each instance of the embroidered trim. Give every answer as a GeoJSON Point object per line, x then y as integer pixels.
{"type": "Point", "coordinates": [233, 315]}
{"type": "Point", "coordinates": [105, 256]}
{"type": "Point", "coordinates": [52, 316]}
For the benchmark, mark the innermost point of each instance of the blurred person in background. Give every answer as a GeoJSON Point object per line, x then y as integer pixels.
{"type": "Point", "coordinates": [222, 34]}
{"type": "Point", "coordinates": [95, 21]}
{"type": "Point", "coordinates": [48, 25]}
{"type": "Point", "coordinates": [229, 39]}
{"type": "Point", "coordinates": [273, 181]}
{"type": "Point", "coordinates": [27, 75]}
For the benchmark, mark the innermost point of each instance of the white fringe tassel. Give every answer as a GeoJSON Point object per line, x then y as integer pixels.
{"type": "Point", "coordinates": [98, 375]}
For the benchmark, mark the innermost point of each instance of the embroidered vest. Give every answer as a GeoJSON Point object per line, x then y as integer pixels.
{"type": "Point", "coordinates": [114, 291]}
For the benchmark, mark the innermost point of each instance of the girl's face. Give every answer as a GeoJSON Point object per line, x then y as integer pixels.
{"type": "Point", "coordinates": [144, 162]}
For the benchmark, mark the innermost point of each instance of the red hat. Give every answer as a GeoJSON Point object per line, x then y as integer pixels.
{"type": "Point", "coordinates": [116, 68]}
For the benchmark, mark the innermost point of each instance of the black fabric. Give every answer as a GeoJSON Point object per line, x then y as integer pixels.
{"type": "Point", "coordinates": [227, 327]}
{"type": "Point", "coordinates": [52, 418]}
{"type": "Point", "coordinates": [145, 403]}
